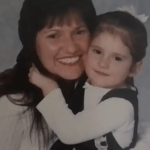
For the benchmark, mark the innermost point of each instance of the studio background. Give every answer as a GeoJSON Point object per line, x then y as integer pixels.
{"type": "Point", "coordinates": [10, 44]}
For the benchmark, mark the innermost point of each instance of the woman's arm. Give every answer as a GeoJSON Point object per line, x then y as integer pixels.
{"type": "Point", "coordinates": [88, 124]}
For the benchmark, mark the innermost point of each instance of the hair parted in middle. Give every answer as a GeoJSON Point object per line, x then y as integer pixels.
{"type": "Point", "coordinates": [35, 15]}
{"type": "Point", "coordinates": [38, 14]}
{"type": "Point", "coordinates": [131, 31]}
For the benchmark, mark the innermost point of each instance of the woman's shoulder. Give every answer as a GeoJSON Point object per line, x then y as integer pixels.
{"type": "Point", "coordinates": [8, 108]}
{"type": "Point", "coordinates": [14, 124]}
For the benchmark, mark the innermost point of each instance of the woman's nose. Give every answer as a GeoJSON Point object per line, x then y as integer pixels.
{"type": "Point", "coordinates": [104, 63]}
{"type": "Point", "coordinates": [71, 45]}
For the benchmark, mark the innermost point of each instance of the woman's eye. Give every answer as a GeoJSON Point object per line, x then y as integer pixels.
{"type": "Point", "coordinates": [80, 32]}
{"type": "Point", "coordinates": [118, 58]}
{"type": "Point", "coordinates": [53, 36]}
{"type": "Point", "coordinates": [97, 51]}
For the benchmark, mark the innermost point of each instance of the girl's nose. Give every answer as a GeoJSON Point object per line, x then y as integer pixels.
{"type": "Point", "coordinates": [104, 63]}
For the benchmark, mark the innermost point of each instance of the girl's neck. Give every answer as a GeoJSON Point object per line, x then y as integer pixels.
{"type": "Point", "coordinates": [120, 86]}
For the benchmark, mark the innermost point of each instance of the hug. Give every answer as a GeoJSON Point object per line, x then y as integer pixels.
{"type": "Point", "coordinates": [73, 83]}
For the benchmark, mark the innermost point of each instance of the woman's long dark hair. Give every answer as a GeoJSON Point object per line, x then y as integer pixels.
{"type": "Point", "coordinates": [34, 16]}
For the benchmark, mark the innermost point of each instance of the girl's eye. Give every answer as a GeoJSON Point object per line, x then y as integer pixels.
{"type": "Point", "coordinates": [53, 36]}
{"type": "Point", "coordinates": [97, 51]}
{"type": "Point", "coordinates": [118, 58]}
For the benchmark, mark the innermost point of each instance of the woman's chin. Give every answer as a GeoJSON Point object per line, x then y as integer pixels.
{"type": "Point", "coordinates": [70, 77]}
{"type": "Point", "coordinates": [69, 73]}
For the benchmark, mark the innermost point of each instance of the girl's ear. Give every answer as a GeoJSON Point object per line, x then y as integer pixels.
{"type": "Point", "coordinates": [135, 69]}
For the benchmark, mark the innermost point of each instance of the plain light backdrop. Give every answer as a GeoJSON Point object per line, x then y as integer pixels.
{"type": "Point", "coordinates": [10, 44]}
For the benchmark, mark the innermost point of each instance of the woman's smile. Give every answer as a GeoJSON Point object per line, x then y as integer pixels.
{"type": "Point", "coordinates": [69, 60]}
{"type": "Point", "coordinates": [61, 49]}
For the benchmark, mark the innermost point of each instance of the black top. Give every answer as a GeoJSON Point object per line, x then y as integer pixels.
{"type": "Point", "coordinates": [76, 104]}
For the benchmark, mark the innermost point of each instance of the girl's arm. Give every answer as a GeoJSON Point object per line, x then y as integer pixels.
{"type": "Point", "coordinates": [88, 124]}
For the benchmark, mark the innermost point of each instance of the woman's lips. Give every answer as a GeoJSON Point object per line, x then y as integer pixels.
{"type": "Point", "coordinates": [69, 60]}
{"type": "Point", "coordinates": [101, 73]}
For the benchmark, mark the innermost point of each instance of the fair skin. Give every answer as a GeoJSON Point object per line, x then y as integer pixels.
{"type": "Point", "coordinates": [61, 48]}
{"type": "Point", "coordinates": [108, 64]}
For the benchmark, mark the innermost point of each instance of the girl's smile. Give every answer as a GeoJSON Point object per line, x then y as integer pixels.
{"type": "Point", "coordinates": [108, 61]}
{"type": "Point", "coordinates": [101, 73]}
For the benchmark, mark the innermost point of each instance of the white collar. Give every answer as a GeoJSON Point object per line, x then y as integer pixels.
{"type": "Point", "coordinates": [88, 85]}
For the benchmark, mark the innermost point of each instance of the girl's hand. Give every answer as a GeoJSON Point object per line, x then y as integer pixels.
{"type": "Point", "coordinates": [46, 84]}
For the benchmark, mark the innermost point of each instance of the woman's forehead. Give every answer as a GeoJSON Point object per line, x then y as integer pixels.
{"type": "Point", "coordinates": [66, 19]}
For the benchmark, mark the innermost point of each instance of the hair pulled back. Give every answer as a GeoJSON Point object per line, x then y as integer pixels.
{"type": "Point", "coordinates": [131, 31]}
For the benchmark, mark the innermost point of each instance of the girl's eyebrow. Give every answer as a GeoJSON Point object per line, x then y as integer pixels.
{"type": "Point", "coordinates": [114, 53]}
{"type": "Point", "coordinates": [121, 55]}
{"type": "Point", "coordinates": [98, 47]}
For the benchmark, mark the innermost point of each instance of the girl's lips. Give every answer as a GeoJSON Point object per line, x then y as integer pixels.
{"type": "Point", "coordinates": [69, 60]}
{"type": "Point", "coordinates": [101, 73]}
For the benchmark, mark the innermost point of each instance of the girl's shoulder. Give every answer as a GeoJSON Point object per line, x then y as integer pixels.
{"type": "Point", "coordinates": [124, 97]}
{"type": "Point", "coordinates": [125, 93]}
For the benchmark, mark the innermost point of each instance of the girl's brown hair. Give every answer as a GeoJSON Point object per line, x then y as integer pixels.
{"type": "Point", "coordinates": [131, 31]}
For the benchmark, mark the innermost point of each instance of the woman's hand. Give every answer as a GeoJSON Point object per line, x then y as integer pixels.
{"type": "Point", "coordinates": [46, 84]}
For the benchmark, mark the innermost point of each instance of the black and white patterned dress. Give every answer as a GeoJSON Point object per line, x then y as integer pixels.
{"type": "Point", "coordinates": [108, 141]}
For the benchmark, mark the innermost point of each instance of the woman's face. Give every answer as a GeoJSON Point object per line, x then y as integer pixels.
{"type": "Point", "coordinates": [61, 48]}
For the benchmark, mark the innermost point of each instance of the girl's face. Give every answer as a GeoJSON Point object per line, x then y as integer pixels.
{"type": "Point", "coordinates": [61, 48]}
{"type": "Point", "coordinates": [108, 62]}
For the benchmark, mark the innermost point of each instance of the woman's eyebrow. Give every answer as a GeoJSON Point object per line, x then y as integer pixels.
{"type": "Point", "coordinates": [56, 28]}
{"type": "Point", "coordinates": [50, 30]}
{"type": "Point", "coordinates": [81, 26]}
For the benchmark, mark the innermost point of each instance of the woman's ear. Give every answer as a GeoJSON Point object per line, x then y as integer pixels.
{"type": "Point", "coordinates": [135, 69]}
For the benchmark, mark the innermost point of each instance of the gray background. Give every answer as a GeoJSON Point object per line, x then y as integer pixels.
{"type": "Point", "coordinates": [10, 44]}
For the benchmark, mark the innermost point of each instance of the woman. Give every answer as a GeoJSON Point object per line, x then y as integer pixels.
{"type": "Point", "coordinates": [55, 34]}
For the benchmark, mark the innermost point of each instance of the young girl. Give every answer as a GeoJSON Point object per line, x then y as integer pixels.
{"type": "Point", "coordinates": [110, 114]}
